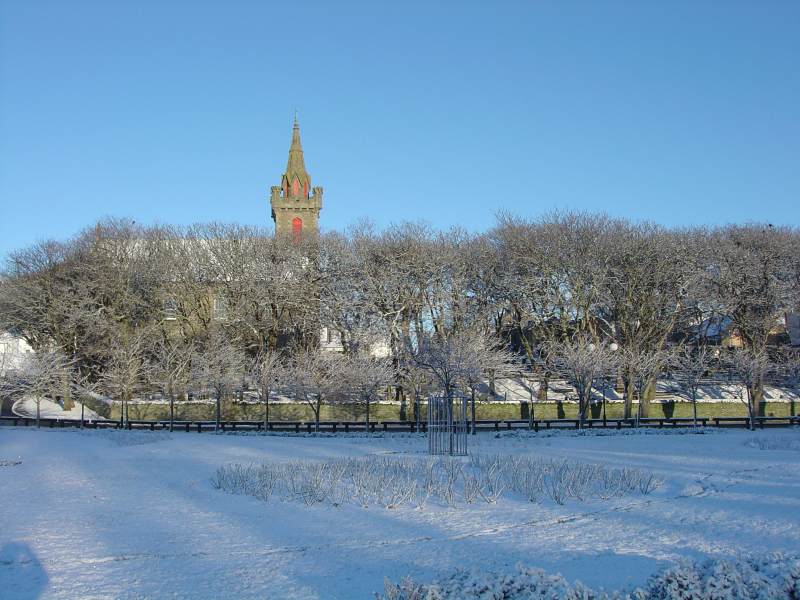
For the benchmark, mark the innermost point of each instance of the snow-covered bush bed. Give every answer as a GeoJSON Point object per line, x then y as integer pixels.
{"type": "Point", "coordinates": [771, 577]}
{"type": "Point", "coordinates": [392, 481]}
{"type": "Point", "coordinates": [780, 443]}
{"type": "Point", "coordinates": [10, 463]}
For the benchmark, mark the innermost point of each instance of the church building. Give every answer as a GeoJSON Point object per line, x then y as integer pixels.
{"type": "Point", "coordinates": [295, 204]}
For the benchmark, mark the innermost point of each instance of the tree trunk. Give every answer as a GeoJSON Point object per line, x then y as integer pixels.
{"type": "Point", "coordinates": [629, 392]}
{"type": "Point", "coordinates": [694, 408]}
{"type": "Point", "coordinates": [367, 425]}
{"type": "Point", "coordinates": [265, 393]}
{"type": "Point", "coordinates": [38, 412]}
{"type": "Point", "coordinates": [756, 392]}
{"type": "Point", "coordinates": [639, 406]}
{"type": "Point", "coordinates": [400, 393]}
{"type": "Point", "coordinates": [316, 414]}
{"type": "Point", "coordinates": [82, 407]}
{"type": "Point", "coordinates": [544, 385]}
{"type": "Point", "coordinates": [217, 412]}
{"type": "Point", "coordinates": [647, 395]}
{"type": "Point", "coordinates": [472, 409]}
{"type": "Point", "coordinates": [171, 411]}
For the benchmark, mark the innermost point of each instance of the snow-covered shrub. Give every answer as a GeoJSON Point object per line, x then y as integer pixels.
{"type": "Point", "coordinates": [392, 482]}
{"type": "Point", "coordinates": [753, 578]}
{"type": "Point", "coordinates": [522, 583]}
{"type": "Point", "coordinates": [771, 577]}
{"type": "Point", "coordinates": [10, 463]}
{"type": "Point", "coordinates": [251, 480]}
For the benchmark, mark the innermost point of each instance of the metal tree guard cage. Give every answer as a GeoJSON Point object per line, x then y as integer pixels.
{"type": "Point", "coordinates": [447, 425]}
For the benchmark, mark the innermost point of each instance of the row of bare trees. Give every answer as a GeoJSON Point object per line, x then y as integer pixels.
{"type": "Point", "coordinates": [420, 309]}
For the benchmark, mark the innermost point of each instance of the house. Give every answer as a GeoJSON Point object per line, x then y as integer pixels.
{"type": "Point", "coordinates": [13, 350]}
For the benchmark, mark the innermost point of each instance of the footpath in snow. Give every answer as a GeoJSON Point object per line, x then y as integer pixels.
{"type": "Point", "coordinates": [116, 514]}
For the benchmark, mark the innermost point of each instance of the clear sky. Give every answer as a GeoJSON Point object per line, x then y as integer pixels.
{"type": "Point", "coordinates": [180, 112]}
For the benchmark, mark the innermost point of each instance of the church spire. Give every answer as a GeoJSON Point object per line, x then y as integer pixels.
{"type": "Point", "coordinates": [295, 204]}
{"type": "Point", "coordinates": [296, 181]}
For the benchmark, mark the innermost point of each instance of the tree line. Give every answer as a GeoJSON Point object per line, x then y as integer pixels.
{"type": "Point", "coordinates": [217, 309]}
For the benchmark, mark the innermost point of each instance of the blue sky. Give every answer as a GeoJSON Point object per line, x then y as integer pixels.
{"type": "Point", "coordinates": [180, 112]}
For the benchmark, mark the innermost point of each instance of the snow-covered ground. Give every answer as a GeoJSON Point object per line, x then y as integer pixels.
{"type": "Point", "coordinates": [26, 407]}
{"type": "Point", "coordinates": [115, 514]}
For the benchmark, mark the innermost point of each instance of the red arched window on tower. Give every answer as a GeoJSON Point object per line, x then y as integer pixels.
{"type": "Point", "coordinates": [295, 187]}
{"type": "Point", "coordinates": [297, 228]}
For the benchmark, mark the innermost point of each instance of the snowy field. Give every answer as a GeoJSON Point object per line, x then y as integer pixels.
{"type": "Point", "coordinates": [113, 514]}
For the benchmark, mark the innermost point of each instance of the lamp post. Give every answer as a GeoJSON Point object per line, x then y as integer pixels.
{"type": "Point", "coordinates": [613, 347]}
{"type": "Point", "coordinates": [605, 381]}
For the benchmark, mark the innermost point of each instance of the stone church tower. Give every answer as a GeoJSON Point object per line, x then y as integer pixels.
{"type": "Point", "coordinates": [295, 204]}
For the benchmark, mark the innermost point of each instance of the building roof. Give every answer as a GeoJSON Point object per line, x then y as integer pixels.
{"type": "Point", "coordinates": [295, 166]}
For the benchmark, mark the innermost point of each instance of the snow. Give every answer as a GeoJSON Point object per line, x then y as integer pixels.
{"type": "Point", "coordinates": [26, 407]}
{"type": "Point", "coordinates": [117, 514]}
{"type": "Point", "coordinates": [667, 390]}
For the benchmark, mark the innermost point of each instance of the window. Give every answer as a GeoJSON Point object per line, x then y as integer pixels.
{"type": "Point", "coordinates": [297, 228]}
{"type": "Point", "coordinates": [220, 309]}
{"type": "Point", "coordinates": [170, 309]}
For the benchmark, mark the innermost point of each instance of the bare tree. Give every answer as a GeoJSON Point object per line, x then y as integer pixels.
{"type": "Point", "coordinates": [170, 370]}
{"type": "Point", "coordinates": [84, 386]}
{"type": "Point", "coordinates": [642, 366]}
{"type": "Point", "coordinates": [392, 274]}
{"type": "Point", "coordinates": [582, 361]}
{"type": "Point", "coordinates": [459, 361]}
{"type": "Point", "coordinates": [268, 369]}
{"type": "Point", "coordinates": [41, 375]}
{"type": "Point", "coordinates": [219, 367]}
{"type": "Point", "coordinates": [650, 274]}
{"type": "Point", "coordinates": [752, 276]}
{"type": "Point", "coordinates": [417, 379]}
{"type": "Point", "coordinates": [691, 366]}
{"type": "Point", "coordinates": [126, 369]}
{"type": "Point", "coordinates": [367, 376]}
{"type": "Point", "coordinates": [788, 365]}
{"type": "Point", "coordinates": [554, 279]}
{"type": "Point", "coordinates": [750, 366]}
{"type": "Point", "coordinates": [313, 376]}
{"type": "Point", "coordinates": [483, 357]}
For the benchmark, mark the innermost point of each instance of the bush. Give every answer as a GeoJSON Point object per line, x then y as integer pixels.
{"type": "Point", "coordinates": [392, 482]}
{"type": "Point", "coordinates": [772, 577]}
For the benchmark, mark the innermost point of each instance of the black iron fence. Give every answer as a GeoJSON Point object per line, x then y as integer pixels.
{"type": "Point", "coordinates": [402, 426]}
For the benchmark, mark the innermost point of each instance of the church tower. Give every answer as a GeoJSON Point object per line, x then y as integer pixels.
{"type": "Point", "coordinates": [295, 204]}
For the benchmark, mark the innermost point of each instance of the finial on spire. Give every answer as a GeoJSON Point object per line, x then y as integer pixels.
{"type": "Point", "coordinates": [295, 118]}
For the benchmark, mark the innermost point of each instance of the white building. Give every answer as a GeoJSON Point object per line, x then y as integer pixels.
{"type": "Point", "coordinates": [13, 350]}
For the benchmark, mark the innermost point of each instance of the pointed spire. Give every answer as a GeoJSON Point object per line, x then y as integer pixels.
{"type": "Point", "coordinates": [295, 167]}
